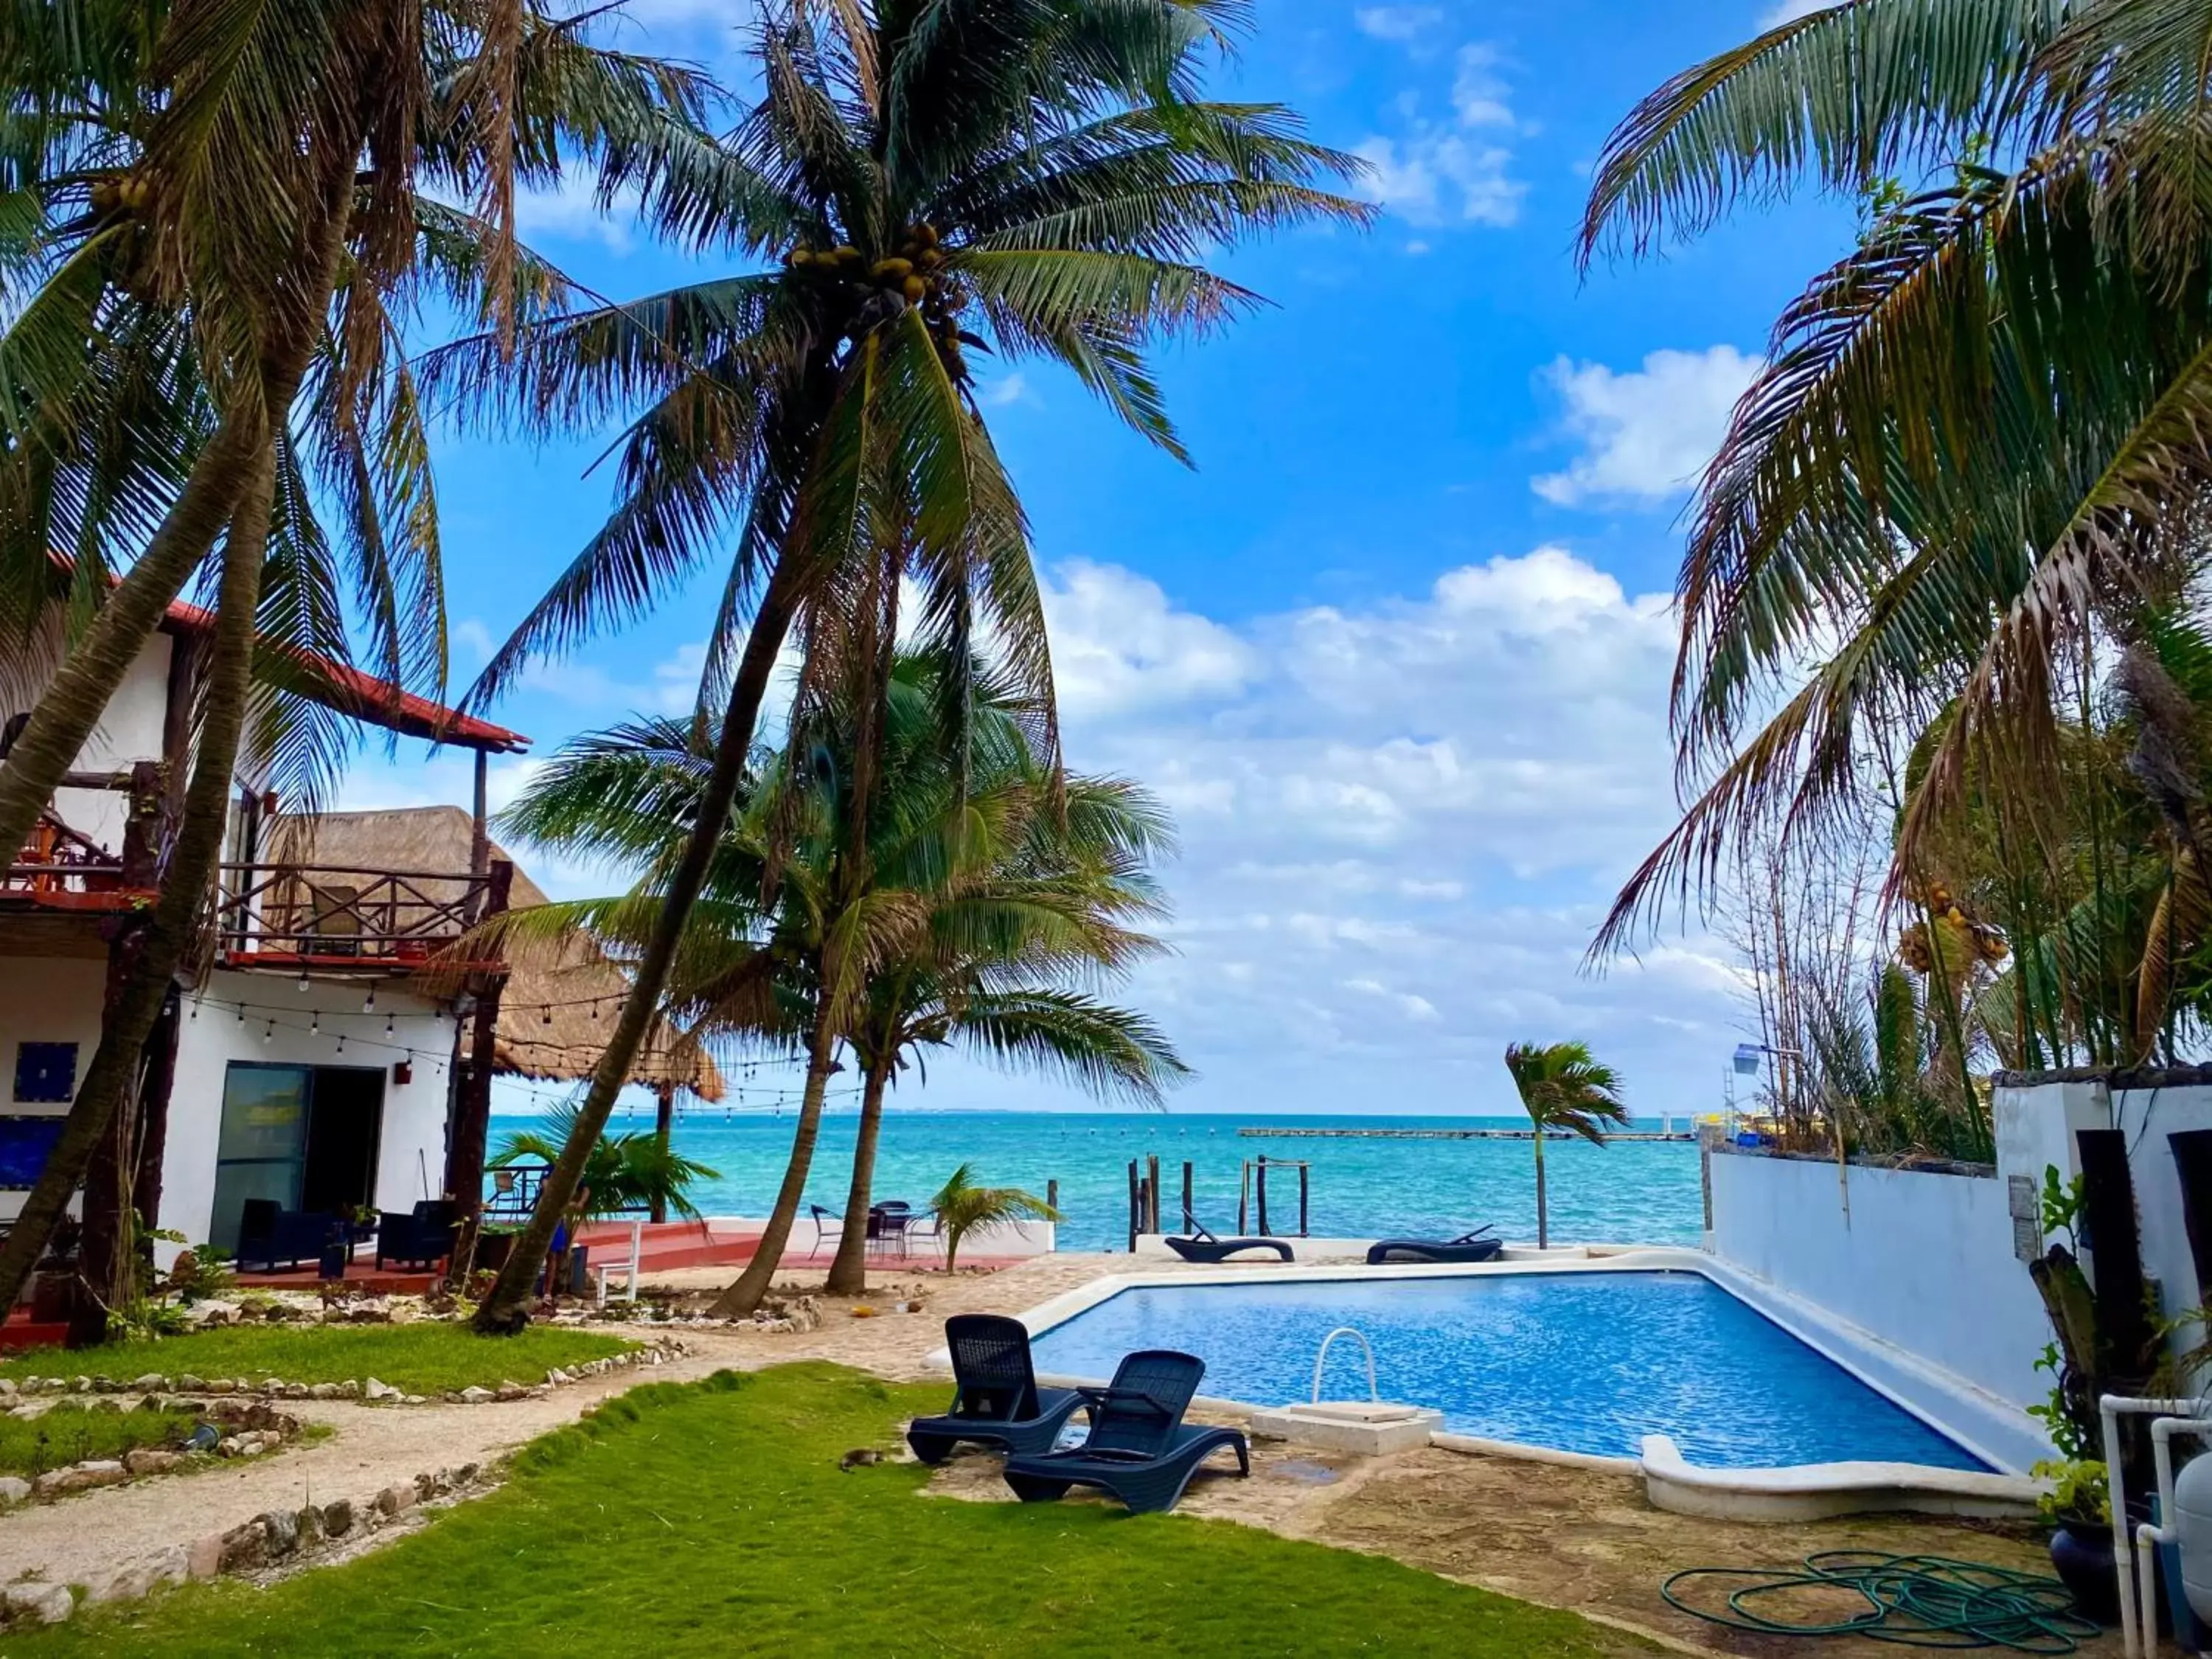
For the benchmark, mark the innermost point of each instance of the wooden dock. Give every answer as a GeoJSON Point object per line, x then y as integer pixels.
{"type": "Point", "coordinates": [1460, 1135]}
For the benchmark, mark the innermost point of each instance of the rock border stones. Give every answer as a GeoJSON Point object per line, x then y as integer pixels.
{"type": "Point", "coordinates": [272, 1540]}
{"type": "Point", "coordinates": [368, 1390]}
{"type": "Point", "coordinates": [245, 1429]}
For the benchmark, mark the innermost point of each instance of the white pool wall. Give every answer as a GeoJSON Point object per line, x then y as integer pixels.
{"type": "Point", "coordinates": [1920, 1263]}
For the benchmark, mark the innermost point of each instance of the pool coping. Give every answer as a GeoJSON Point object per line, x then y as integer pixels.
{"type": "Point", "coordinates": [1997, 1432]}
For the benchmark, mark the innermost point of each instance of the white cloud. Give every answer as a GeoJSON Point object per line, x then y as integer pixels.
{"type": "Point", "coordinates": [1790, 10]}
{"type": "Point", "coordinates": [1006, 391]}
{"type": "Point", "coordinates": [1645, 434]}
{"type": "Point", "coordinates": [473, 639]}
{"type": "Point", "coordinates": [1399, 23]}
{"type": "Point", "coordinates": [1407, 814]}
{"type": "Point", "coordinates": [1479, 92]}
{"type": "Point", "coordinates": [1117, 644]}
{"type": "Point", "coordinates": [572, 213]}
{"type": "Point", "coordinates": [1460, 170]}
{"type": "Point", "coordinates": [1434, 175]}
{"type": "Point", "coordinates": [672, 688]}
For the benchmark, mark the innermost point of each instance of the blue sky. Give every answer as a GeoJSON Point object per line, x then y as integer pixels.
{"type": "Point", "coordinates": [1396, 649]}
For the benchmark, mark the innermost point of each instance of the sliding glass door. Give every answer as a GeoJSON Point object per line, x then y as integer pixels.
{"type": "Point", "coordinates": [262, 1150]}
{"type": "Point", "coordinates": [303, 1136]}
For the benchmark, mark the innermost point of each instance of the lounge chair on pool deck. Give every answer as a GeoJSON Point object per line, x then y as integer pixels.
{"type": "Point", "coordinates": [999, 1402]}
{"type": "Point", "coordinates": [1203, 1245]}
{"type": "Point", "coordinates": [1467, 1246]}
{"type": "Point", "coordinates": [1139, 1448]}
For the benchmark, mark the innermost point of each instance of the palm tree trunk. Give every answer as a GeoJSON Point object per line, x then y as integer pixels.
{"type": "Point", "coordinates": [1543, 1217]}
{"type": "Point", "coordinates": [506, 1307]}
{"type": "Point", "coordinates": [177, 912]}
{"type": "Point", "coordinates": [664, 1131]}
{"type": "Point", "coordinates": [743, 1297]}
{"type": "Point", "coordinates": [71, 705]}
{"type": "Point", "coordinates": [848, 1274]}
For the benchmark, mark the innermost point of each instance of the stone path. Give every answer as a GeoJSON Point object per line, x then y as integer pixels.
{"type": "Point", "coordinates": [95, 1536]}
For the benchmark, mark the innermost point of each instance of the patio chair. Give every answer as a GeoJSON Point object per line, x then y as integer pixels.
{"type": "Point", "coordinates": [996, 1399]}
{"type": "Point", "coordinates": [1139, 1448]}
{"type": "Point", "coordinates": [1467, 1246]}
{"type": "Point", "coordinates": [1203, 1245]}
{"type": "Point", "coordinates": [828, 1225]}
{"type": "Point", "coordinates": [888, 1222]}
{"type": "Point", "coordinates": [423, 1237]}
{"type": "Point", "coordinates": [268, 1233]}
{"type": "Point", "coordinates": [334, 926]}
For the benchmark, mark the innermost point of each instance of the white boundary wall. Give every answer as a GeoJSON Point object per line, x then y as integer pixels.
{"type": "Point", "coordinates": [2036, 1125]}
{"type": "Point", "coordinates": [1923, 1261]}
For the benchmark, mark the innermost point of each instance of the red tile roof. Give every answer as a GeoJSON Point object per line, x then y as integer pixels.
{"type": "Point", "coordinates": [378, 702]}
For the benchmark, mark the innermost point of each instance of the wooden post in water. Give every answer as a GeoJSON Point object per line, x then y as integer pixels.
{"type": "Point", "coordinates": [1153, 1191]}
{"type": "Point", "coordinates": [1135, 1205]}
{"type": "Point", "coordinates": [1189, 1220]}
{"type": "Point", "coordinates": [1262, 1184]}
{"type": "Point", "coordinates": [1243, 1190]}
{"type": "Point", "coordinates": [1052, 1194]}
{"type": "Point", "coordinates": [1302, 1194]}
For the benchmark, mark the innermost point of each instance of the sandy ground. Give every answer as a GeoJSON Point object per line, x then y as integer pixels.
{"type": "Point", "coordinates": [1568, 1538]}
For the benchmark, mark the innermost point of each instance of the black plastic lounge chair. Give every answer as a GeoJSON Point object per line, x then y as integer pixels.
{"type": "Point", "coordinates": [1203, 1245]}
{"type": "Point", "coordinates": [1467, 1246]}
{"type": "Point", "coordinates": [1139, 1448]}
{"type": "Point", "coordinates": [998, 1402]}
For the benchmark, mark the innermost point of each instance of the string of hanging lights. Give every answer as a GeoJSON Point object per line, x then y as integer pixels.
{"type": "Point", "coordinates": [272, 1018]}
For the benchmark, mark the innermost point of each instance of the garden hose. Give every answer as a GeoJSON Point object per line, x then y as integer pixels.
{"type": "Point", "coordinates": [1913, 1600]}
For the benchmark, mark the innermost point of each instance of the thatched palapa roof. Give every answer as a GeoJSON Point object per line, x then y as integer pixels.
{"type": "Point", "coordinates": [559, 1002]}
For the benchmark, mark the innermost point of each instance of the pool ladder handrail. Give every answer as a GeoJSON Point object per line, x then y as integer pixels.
{"type": "Point", "coordinates": [1321, 1359]}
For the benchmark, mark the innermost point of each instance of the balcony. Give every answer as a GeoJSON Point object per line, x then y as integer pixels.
{"type": "Point", "coordinates": [343, 920]}
{"type": "Point", "coordinates": [58, 869]}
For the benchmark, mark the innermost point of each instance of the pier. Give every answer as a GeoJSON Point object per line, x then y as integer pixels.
{"type": "Point", "coordinates": [1464, 1134]}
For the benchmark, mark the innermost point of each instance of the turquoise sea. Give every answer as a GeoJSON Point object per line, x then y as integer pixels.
{"type": "Point", "coordinates": [1642, 1192]}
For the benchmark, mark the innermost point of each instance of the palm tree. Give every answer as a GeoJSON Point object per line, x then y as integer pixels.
{"type": "Point", "coordinates": [977, 912]}
{"type": "Point", "coordinates": [209, 221]}
{"type": "Point", "coordinates": [626, 1173]}
{"type": "Point", "coordinates": [963, 1208]}
{"type": "Point", "coordinates": [1976, 445]}
{"type": "Point", "coordinates": [234, 289]}
{"type": "Point", "coordinates": [1562, 1088]}
{"type": "Point", "coordinates": [988, 965]}
{"type": "Point", "coordinates": [1040, 181]}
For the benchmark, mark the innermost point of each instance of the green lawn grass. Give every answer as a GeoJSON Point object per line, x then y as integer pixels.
{"type": "Point", "coordinates": [66, 1433]}
{"type": "Point", "coordinates": [712, 1519]}
{"type": "Point", "coordinates": [425, 1358]}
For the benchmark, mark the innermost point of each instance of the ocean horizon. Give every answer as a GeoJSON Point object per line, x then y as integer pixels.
{"type": "Point", "coordinates": [1627, 1192]}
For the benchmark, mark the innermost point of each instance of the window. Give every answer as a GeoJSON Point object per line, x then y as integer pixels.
{"type": "Point", "coordinates": [46, 1071]}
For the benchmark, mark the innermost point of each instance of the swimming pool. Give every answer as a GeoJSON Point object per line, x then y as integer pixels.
{"type": "Point", "coordinates": [1585, 1362]}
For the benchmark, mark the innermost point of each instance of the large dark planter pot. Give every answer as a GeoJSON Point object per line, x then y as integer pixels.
{"type": "Point", "coordinates": [492, 1251]}
{"type": "Point", "coordinates": [53, 1296]}
{"type": "Point", "coordinates": [2082, 1556]}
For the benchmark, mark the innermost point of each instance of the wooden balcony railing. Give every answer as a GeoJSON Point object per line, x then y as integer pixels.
{"type": "Point", "coordinates": [312, 914]}
{"type": "Point", "coordinates": [58, 865]}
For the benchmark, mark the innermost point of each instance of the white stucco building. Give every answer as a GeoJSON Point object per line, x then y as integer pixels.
{"type": "Point", "coordinates": [307, 1059]}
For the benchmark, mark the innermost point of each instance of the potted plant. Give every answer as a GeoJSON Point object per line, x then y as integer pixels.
{"type": "Point", "coordinates": [625, 1173]}
{"type": "Point", "coordinates": [2083, 1366]}
{"type": "Point", "coordinates": [2079, 1507]}
{"type": "Point", "coordinates": [54, 1282]}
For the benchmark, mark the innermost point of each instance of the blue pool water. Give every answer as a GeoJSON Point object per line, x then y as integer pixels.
{"type": "Point", "coordinates": [1583, 1362]}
